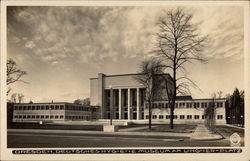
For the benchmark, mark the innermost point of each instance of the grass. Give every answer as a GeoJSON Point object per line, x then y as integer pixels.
{"type": "Point", "coordinates": [56, 126]}
{"type": "Point", "coordinates": [178, 128]}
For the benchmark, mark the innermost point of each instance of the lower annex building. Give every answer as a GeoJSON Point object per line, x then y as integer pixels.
{"type": "Point", "coordinates": [127, 98]}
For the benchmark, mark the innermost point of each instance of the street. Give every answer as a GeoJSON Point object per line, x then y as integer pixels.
{"type": "Point", "coordinates": [88, 140]}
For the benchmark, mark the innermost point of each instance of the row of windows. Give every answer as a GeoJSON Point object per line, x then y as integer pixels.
{"type": "Point", "coordinates": [78, 117]}
{"type": "Point", "coordinates": [49, 117]}
{"type": "Point", "coordinates": [38, 116]}
{"type": "Point", "coordinates": [187, 105]}
{"type": "Point", "coordinates": [51, 107]}
{"type": "Point", "coordinates": [181, 117]}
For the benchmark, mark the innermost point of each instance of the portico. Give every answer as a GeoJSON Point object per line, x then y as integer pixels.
{"type": "Point", "coordinates": [124, 103]}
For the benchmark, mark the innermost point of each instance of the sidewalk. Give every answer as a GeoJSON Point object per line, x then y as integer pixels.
{"type": "Point", "coordinates": [242, 128]}
{"type": "Point", "coordinates": [202, 133]}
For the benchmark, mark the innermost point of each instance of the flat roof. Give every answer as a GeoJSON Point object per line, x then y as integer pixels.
{"type": "Point", "coordinates": [41, 103]}
{"type": "Point", "coordinates": [118, 75]}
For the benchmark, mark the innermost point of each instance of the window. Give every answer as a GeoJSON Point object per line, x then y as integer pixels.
{"type": "Point", "coordinates": [56, 116]}
{"type": "Point", "coordinates": [20, 107]}
{"type": "Point", "coordinates": [16, 116]}
{"type": "Point", "coordinates": [219, 104]}
{"type": "Point", "coordinates": [182, 116]}
{"type": "Point", "coordinates": [20, 116]}
{"type": "Point", "coordinates": [160, 116]}
{"type": "Point", "coordinates": [196, 104]}
{"type": "Point", "coordinates": [33, 107]}
{"type": "Point", "coordinates": [24, 116]}
{"type": "Point", "coordinates": [196, 117]}
{"type": "Point", "coordinates": [33, 116]}
{"type": "Point", "coordinates": [203, 104]}
{"type": "Point", "coordinates": [42, 116]}
{"type": "Point", "coordinates": [52, 107]}
{"type": "Point", "coordinates": [52, 116]}
{"type": "Point", "coordinates": [154, 116]}
{"type": "Point", "coordinates": [16, 108]}
{"type": "Point", "coordinates": [37, 116]}
{"type": "Point", "coordinates": [28, 117]}
{"type": "Point", "coordinates": [203, 117]}
{"type": "Point", "coordinates": [57, 107]}
{"type": "Point", "coordinates": [42, 108]}
{"type": "Point", "coordinates": [47, 116]}
{"type": "Point", "coordinates": [25, 107]}
{"type": "Point", "coordinates": [182, 105]}
{"type": "Point", "coordinates": [167, 116]}
{"type": "Point", "coordinates": [61, 116]}
{"type": "Point", "coordinates": [147, 117]}
{"type": "Point", "coordinates": [189, 105]}
{"type": "Point", "coordinates": [175, 116]}
{"type": "Point", "coordinates": [176, 105]}
{"type": "Point", "coordinates": [219, 117]}
{"type": "Point", "coordinates": [189, 116]}
{"type": "Point", "coordinates": [38, 107]}
{"type": "Point", "coordinates": [61, 107]}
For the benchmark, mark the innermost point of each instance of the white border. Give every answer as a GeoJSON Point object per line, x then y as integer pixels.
{"type": "Point", "coordinates": [6, 153]}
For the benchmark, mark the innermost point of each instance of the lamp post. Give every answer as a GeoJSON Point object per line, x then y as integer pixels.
{"type": "Point", "coordinates": [111, 104]}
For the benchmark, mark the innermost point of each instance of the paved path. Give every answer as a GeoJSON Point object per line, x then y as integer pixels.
{"type": "Point", "coordinates": [202, 133]}
{"type": "Point", "coordinates": [134, 128]}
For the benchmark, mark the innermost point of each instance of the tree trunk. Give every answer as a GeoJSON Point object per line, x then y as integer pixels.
{"type": "Point", "coordinates": [150, 116]}
{"type": "Point", "coordinates": [171, 118]}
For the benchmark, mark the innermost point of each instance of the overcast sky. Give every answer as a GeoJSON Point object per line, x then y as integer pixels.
{"type": "Point", "coordinates": [62, 47]}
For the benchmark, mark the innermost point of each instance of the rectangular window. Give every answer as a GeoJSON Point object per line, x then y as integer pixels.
{"type": "Point", "coordinates": [15, 116]}
{"type": "Point", "coordinates": [219, 104]}
{"type": "Point", "coordinates": [154, 116]}
{"type": "Point", "coordinates": [219, 117]}
{"type": "Point", "coordinates": [189, 117]}
{"type": "Point", "coordinates": [196, 105]}
{"type": "Point", "coordinates": [24, 116]}
{"type": "Point", "coordinates": [61, 116]}
{"type": "Point", "coordinates": [196, 117]}
{"type": "Point", "coordinates": [52, 116]}
{"type": "Point", "coordinates": [160, 116]}
{"type": "Point", "coordinates": [33, 116]}
{"type": "Point", "coordinates": [61, 107]}
{"type": "Point", "coordinates": [37, 116]}
{"type": "Point", "coordinates": [25, 108]}
{"type": "Point", "coordinates": [203, 117]}
{"type": "Point", "coordinates": [38, 107]}
{"type": "Point", "coordinates": [20, 107]}
{"type": "Point", "coordinates": [182, 116]}
{"type": "Point", "coordinates": [56, 117]}
{"type": "Point", "coordinates": [176, 105]}
{"type": "Point", "coordinates": [28, 117]}
{"type": "Point", "coordinates": [175, 116]}
{"type": "Point", "coordinates": [57, 107]}
{"type": "Point", "coordinates": [47, 116]}
{"type": "Point", "coordinates": [20, 116]}
{"type": "Point", "coordinates": [147, 117]}
{"type": "Point", "coordinates": [167, 116]}
{"type": "Point", "coordinates": [52, 107]}
{"type": "Point", "coordinates": [42, 116]}
{"type": "Point", "coordinates": [33, 107]}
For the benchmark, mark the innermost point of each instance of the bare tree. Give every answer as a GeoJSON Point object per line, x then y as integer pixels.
{"type": "Point", "coordinates": [148, 69]}
{"type": "Point", "coordinates": [219, 94]}
{"type": "Point", "coordinates": [178, 43]}
{"type": "Point", "coordinates": [20, 97]}
{"type": "Point", "coordinates": [85, 101]}
{"type": "Point", "coordinates": [209, 113]}
{"type": "Point", "coordinates": [13, 97]}
{"type": "Point", "coordinates": [14, 74]}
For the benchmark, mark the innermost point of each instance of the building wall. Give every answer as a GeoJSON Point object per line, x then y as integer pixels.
{"type": "Point", "coordinates": [50, 112]}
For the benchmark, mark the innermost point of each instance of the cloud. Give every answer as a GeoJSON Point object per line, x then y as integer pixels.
{"type": "Point", "coordinates": [30, 44]}
{"type": "Point", "coordinates": [96, 33]}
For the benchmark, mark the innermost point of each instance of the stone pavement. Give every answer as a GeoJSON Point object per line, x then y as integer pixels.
{"type": "Point", "coordinates": [202, 133]}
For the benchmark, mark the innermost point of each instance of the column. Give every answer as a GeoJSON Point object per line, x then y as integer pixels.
{"type": "Point", "coordinates": [137, 104]}
{"type": "Point", "coordinates": [128, 103]}
{"type": "Point", "coordinates": [111, 106]}
{"type": "Point", "coordinates": [120, 103]}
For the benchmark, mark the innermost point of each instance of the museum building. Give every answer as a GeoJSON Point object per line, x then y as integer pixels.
{"type": "Point", "coordinates": [123, 98]}
{"type": "Point", "coordinates": [58, 111]}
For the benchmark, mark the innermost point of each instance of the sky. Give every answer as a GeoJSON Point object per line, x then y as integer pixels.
{"type": "Point", "coordinates": [62, 47]}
